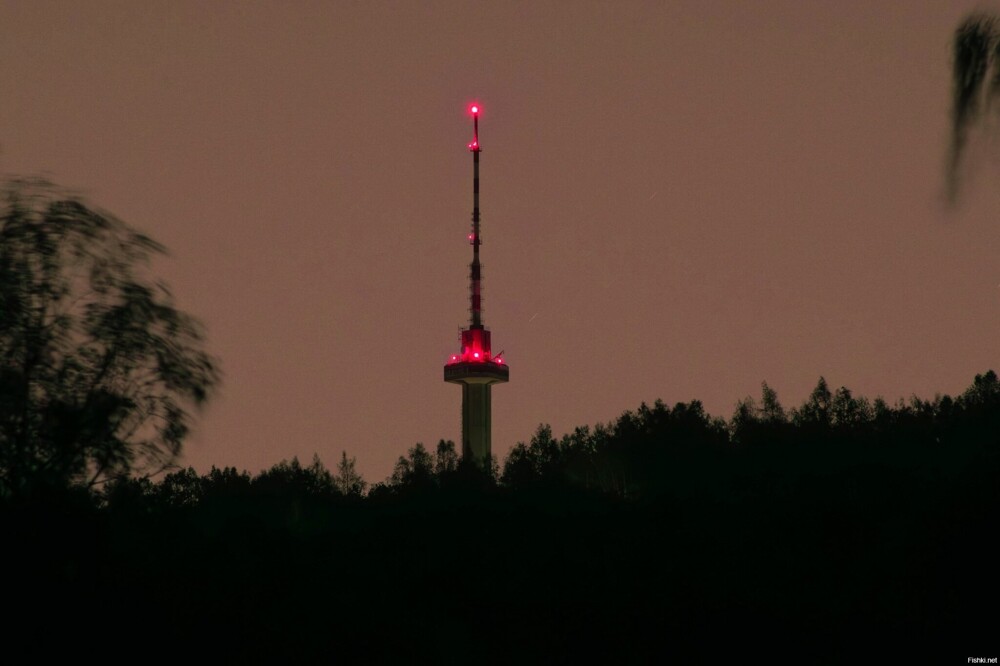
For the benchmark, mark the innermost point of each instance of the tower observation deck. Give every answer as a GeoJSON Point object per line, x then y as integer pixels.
{"type": "Point", "coordinates": [475, 367]}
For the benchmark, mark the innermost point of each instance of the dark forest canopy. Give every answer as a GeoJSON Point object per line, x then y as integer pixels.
{"type": "Point", "coordinates": [821, 533]}
{"type": "Point", "coordinates": [653, 450]}
{"type": "Point", "coordinates": [645, 453]}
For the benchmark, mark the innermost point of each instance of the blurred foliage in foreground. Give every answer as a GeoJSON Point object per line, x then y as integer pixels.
{"type": "Point", "coordinates": [98, 369]}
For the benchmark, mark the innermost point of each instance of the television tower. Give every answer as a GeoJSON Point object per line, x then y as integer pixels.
{"type": "Point", "coordinates": [475, 367]}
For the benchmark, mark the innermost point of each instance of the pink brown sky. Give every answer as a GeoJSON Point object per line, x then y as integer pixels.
{"type": "Point", "coordinates": [680, 200]}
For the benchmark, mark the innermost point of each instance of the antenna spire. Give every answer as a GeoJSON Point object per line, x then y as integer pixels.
{"type": "Point", "coordinates": [475, 273]}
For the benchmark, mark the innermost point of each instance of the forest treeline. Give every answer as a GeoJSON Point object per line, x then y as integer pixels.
{"type": "Point", "coordinates": [799, 533]}
{"type": "Point", "coordinates": [644, 454]}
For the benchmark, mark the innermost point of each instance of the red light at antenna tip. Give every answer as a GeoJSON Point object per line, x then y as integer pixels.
{"type": "Point", "coordinates": [474, 108]}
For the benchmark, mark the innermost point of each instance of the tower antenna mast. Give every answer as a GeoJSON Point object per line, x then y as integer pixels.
{"type": "Point", "coordinates": [475, 273]}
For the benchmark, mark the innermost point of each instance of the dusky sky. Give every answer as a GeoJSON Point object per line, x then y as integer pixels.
{"type": "Point", "coordinates": [680, 200]}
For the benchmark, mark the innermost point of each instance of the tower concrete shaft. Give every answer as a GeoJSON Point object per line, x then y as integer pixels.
{"type": "Point", "coordinates": [476, 410]}
{"type": "Point", "coordinates": [475, 367]}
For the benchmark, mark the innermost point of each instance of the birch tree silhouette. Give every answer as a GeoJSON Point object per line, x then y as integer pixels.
{"type": "Point", "coordinates": [98, 369]}
{"type": "Point", "coordinates": [975, 88]}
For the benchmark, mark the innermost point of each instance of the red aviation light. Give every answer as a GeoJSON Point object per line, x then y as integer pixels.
{"type": "Point", "coordinates": [499, 361]}
{"type": "Point", "coordinates": [474, 109]}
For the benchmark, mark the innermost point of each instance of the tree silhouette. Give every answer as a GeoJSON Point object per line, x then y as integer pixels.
{"type": "Point", "coordinates": [290, 478]}
{"type": "Point", "coordinates": [847, 411]}
{"type": "Point", "coordinates": [348, 481]}
{"type": "Point", "coordinates": [225, 483]}
{"type": "Point", "coordinates": [984, 392]}
{"type": "Point", "coordinates": [182, 488]}
{"type": "Point", "coordinates": [445, 458]}
{"type": "Point", "coordinates": [98, 369]}
{"type": "Point", "coordinates": [817, 410]}
{"type": "Point", "coordinates": [771, 409]}
{"type": "Point", "coordinates": [416, 469]}
{"type": "Point", "coordinates": [764, 424]}
{"type": "Point", "coordinates": [527, 463]}
{"type": "Point", "coordinates": [975, 86]}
